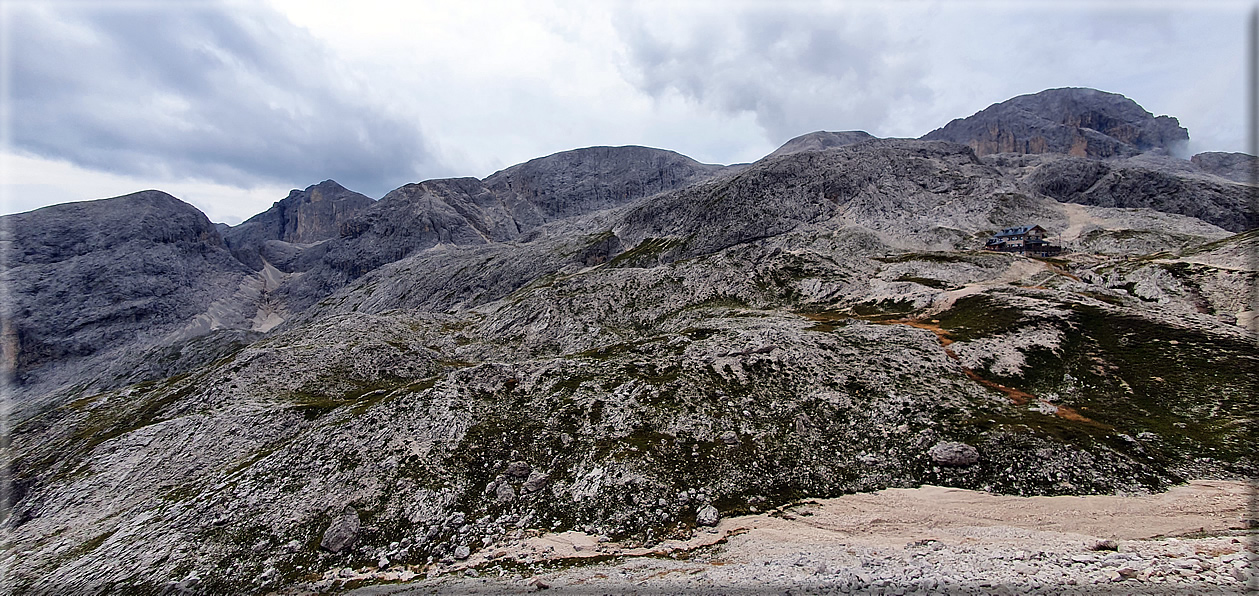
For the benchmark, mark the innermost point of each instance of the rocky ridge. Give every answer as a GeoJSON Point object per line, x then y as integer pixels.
{"type": "Point", "coordinates": [506, 206]}
{"type": "Point", "coordinates": [1238, 167]}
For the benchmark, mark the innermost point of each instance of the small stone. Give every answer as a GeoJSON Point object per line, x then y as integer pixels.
{"type": "Point", "coordinates": [504, 493]}
{"type": "Point", "coordinates": [1105, 545]}
{"type": "Point", "coordinates": [462, 552]}
{"type": "Point", "coordinates": [707, 516]}
{"type": "Point", "coordinates": [383, 562]}
{"type": "Point", "coordinates": [729, 437]}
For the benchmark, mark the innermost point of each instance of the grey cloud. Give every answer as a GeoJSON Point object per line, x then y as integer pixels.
{"type": "Point", "coordinates": [795, 71]}
{"type": "Point", "coordinates": [221, 93]}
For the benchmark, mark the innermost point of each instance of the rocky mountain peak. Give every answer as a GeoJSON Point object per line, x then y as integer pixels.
{"type": "Point", "coordinates": [305, 216]}
{"type": "Point", "coordinates": [822, 140]}
{"type": "Point", "coordinates": [590, 179]}
{"type": "Point", "coordinates": [1076, 121]}
{"type": "Point", "coordinates": [60, 232]}
{"type": "Point", "coordinates": [90, 276]}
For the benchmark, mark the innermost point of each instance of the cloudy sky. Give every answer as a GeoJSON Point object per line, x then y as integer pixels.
{"type": "Point", "coordinates": [228, 105]}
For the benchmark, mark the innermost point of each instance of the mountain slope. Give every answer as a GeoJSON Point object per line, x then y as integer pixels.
{"type": "Point", "coordinates": [1166, 184]}
{"type": "Point", "coordinates": [1238, 167]}
{"type": "Point", "coordinates": [820, 140]}
{"type": "Point", "coordinates": [621, 399]}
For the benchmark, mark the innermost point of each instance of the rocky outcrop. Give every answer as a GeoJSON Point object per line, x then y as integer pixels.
{"type": "Point", "coordinates": [342, 533]}
{"type": "Point", "coordinates": [953, 454]}
{"type": "Point", "coordinates": [303, 217]}
{"type": "Point", "coordinates": [1075, 121]}
{"type": "Point", "coordinates": [1238, 167]}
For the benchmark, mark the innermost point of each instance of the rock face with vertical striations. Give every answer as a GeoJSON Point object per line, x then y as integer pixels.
{"type": "Point", "coordinates": [303, 217]}
{"type": "Point", "coordinates": [1076, 121]}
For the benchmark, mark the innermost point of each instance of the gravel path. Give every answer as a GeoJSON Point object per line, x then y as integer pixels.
{"type": "Point", "coordinates": [1189, 540]}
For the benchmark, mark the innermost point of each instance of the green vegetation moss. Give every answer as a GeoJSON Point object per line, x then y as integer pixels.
{"type": "Point", "coordinates": [1128, 375]}
{"type": "Point", "coordinates": [978, 315]}
{"type": "Point", "coordinates": [647, 253]}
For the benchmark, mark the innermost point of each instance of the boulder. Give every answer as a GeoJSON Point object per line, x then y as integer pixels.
{"type": "Point", "coordinates": [518, 469]}
{"type": "Point", "coordinates": [343, 532]}
{"type": "Point", "coordinates": [707, 516]}
{"type": "Point", "coordinates": [536, 481]}
{"type": "Point", "coordinates": [953, 454]}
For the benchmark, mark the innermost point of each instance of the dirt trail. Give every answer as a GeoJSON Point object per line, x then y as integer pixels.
{"type": "Point", "coordinates": [862, 537]}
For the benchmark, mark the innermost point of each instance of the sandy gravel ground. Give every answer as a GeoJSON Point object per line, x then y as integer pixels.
{"type": "Point", "coordinates": [1194, 539]}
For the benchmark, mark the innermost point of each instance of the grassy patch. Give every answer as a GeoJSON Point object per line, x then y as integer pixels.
{"type": "Point", "coordinates": [924, 281]}
{"type": "Point", "coordinates": [1123, 376]}
{"type": "Point", "coordinates": [94, 543]}
{"type": "Point", "coordinates": [976, 316]}
{"type": "Point", "coordinates": [883, 308]}
{"type": "Point", "coordinates": [929, 257]}
{"type": "Point", "coordinates": [647, 253]}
